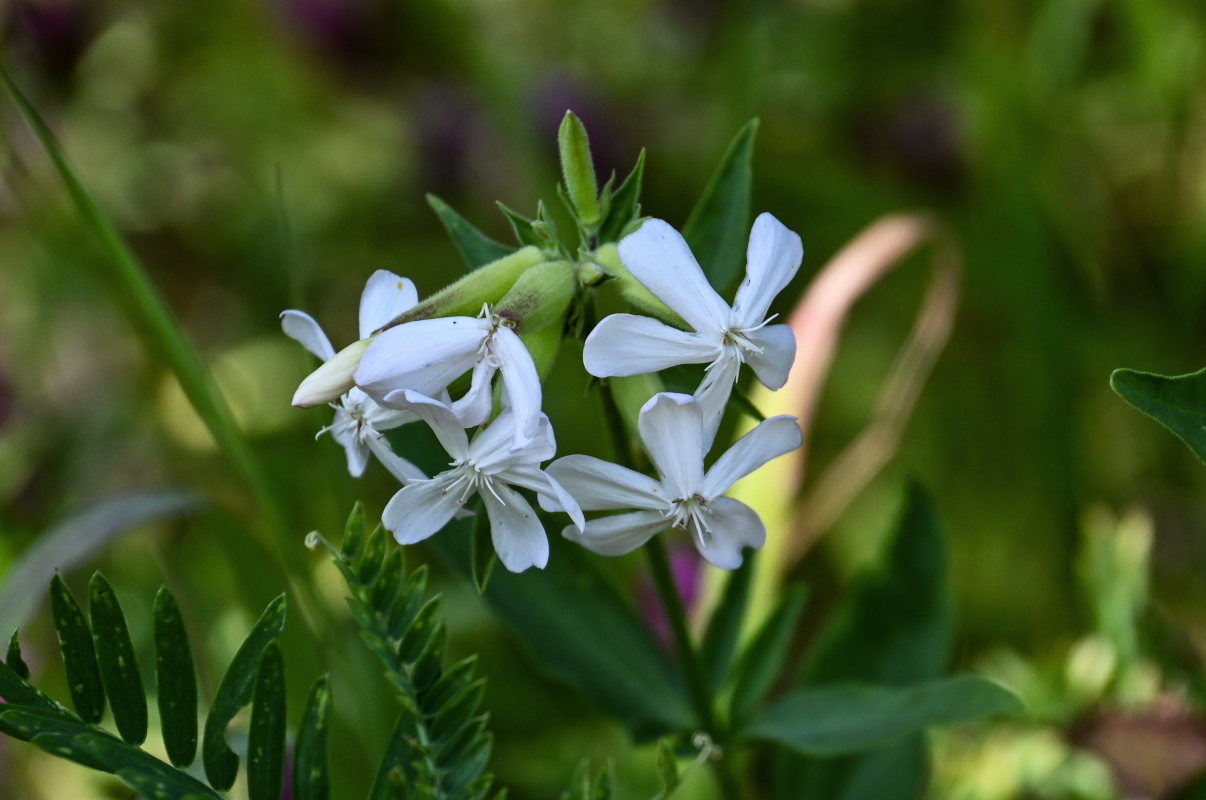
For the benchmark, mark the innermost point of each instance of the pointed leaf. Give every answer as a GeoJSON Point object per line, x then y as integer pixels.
{"type": "Point", "coordinates": [176, 680]}
{"type": "Point", "coordinates": [1176, 402]}
{"type": "Point", "coordinates": [141, 771]}
{"type": "Point", "coordinates": [475, 247]}
{"type": "Point", "coordinates": [17, 691]}
{"type": "Point", "coordinates": [431, 661]}
{"type": "Point", "coordinates": [719, 225]}
{"type": "Point", "coordinates": [720, 639]}
{"type": "Point", "coordinates": [14, 660]}
{"type": "Point", "coordinates": [852, 718]}
{"type": "Point", "coordinates": [311, 759]}
{"type": "Point", "coordinates": [625, 205]}
{"type": "Point", "coordinates": [55, 733]}
{"type": "Point", "coordinates": [389, 582]}
{"type": "Point", "coordinates": [373, 559]}
{"type": "Point", "coordinates": [525, 230]}
{"type": "Point", "coordinates": [354, 534]}
{"type": "Point", "coordinates": [764, 656]}
{"type": "Point", "coordinates": [667, 767]}
{"type": "Point", "coordinates": [420, 631]}
{"type": "Point", "coordinates": [266, 736]}
{"type": "Point", "coordinates": [79, 653]}
{"type": "Point", "coordinates": [400, 754]}
{"type": "Point", "coordinates": [117, 662]}
{"type": "Point", "coordinates": [221, 763]}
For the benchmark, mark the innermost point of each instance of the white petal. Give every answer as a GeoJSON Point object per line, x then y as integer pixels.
{"type": "Point", "coordinates": [399, 467]}
{"type": "Point", "coordinates": [376, 415]}
{"type": "Point", "coordinates": [356, 452]}
{"type": "Point", "coordinates": [518, 536]}
{"type": "Point", "coordinates": [439, 418]}
{"type": "Point", "coordinates": [421, 508]}
{"type": "Point", "coordinates": [658, 257]}
{"type": "Point", "coordinates": [778, 351]}
{"type": "Point", "coordinates": [520, 382]}
{"type": "Point", "coordinates": [600, 485]}
{"type": "Point", "coordinates": [626, 344]}
{"type": "Point", "coordinates": [385, 296]}
{"type": "Point", "coordinates": [552, 495]}
{"type": "Point", "coordinates": [334, 378]}
{"type": "Point", "coordinates": [770, 439]}
{"type": "Point", "coordinates": [302, 328]}
{"type": "Point", "coordinates": [617, 534]}
{"type": "Point", "coordinates": [425, 355]}
{"type": "Point", "coordinates": [475, 405]}
{"type": "Point", "coordinates": [772, 259]}
{"type": "Point", "coordinates": [714, 391]}
{"type": "Point", "coordinates": [672, 429]}
{"type": "Point", "coordinates": [734, 525]}
{"type": "Point", "coordinates": [493, 449]}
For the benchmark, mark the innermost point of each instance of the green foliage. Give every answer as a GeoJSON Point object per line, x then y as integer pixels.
{"type": "Point", "coordinates": [720, 639]}
{"type": "Point", "coordinates": [176, 680]}
{"type": "Point", "coordinates": [115, 657]}
{"type": "Point", "coordinates": [763, 658]}
{"type": "Point", "coordinates": [1176, 402]}
{"type": "Point", "coordinates": [623, 205]}
{"type": "Point", "coordinates": [474, 246]}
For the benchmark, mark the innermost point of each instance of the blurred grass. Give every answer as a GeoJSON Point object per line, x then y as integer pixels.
{"type": "Point", "coordinates": [1061, 139]}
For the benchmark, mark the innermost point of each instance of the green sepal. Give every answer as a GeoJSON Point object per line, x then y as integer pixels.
{"type": "Point", "coordinates": [266, 732]}
{"type": "Point", "coordinates": [1177, 402]}
{"type": "Point", "coordinates": [176, 680]}
{"type": "Point", "coordinates": [624, 206]}
{"type": "Point", "coordinates": [763, 658]}
{"type": "Point", "coordinates": [117, 662]}
{"type": "Point", "coordinates": [853, 718]}
{"type": "Point", "coordinates": [234, 692]}
{"type": "Point", "coordinates": [474, 246]}
{"type": "Point", "coordinates": [578, 170]}
{"type": "Point", "coordinates": [718, 228]}
{"type": "Point", "coordinates": [633, 291]}
{"type": "Point", "coordinates": [79, 653]}
{"type": "Point", "coordinates": [13, 658]}
{"type": "Point", "coordinates": [311, 757]}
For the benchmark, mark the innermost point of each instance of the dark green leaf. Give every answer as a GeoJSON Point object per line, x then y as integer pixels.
{"type": "Point", "coordinates": [118, 666]}
{"type": "Point", "coordinates": [455, 714]}
{"type": "Point", "coordinates": [146, 774]}
{"type": "Point", "coordinates": [763, 658]}
{"type": "Point", "coordinates": [79, 654]}
{"type": "Point", "coordinates": [401, 755]}
{"type": "Point", "coordinates": [455, 680]}
{"type": "Point", "coordinates": [475, 247]}
{"type": "Point", "coordinates": [719, 226]}
{"type": "Point", "coordinates": [18, 692]}
{"type": "Point", "coordinates": [625, 204]}
{"type": "Point", "coordinates": [469, 767]}
{"type": "Point", "coordinates": [311, 760]}
{"type": "Point", "coordinates": [56, 734]}
{"type": "Point", "coordinates": [720, 639]}
{"type": "Point", "coordinates": [14, 660]}
{"type": "Point", "coordinates": [431, 660]}
{"type": "Point", "coordinates": [1176, 402]}
{"type": "Point", "coordinates": [462, 742]}
{"type": "Point", "coordinates": [524, 228]}
{"type": "Point", "coordinates": [408, 602]}
{"type": "Point", "coordinates": [234, 692]}
{"type": "Point", "coordinates": [176, 679]}
{"type": "Point", "coordinates": [852, 718]}
{"type": "Point", "coordinates": [579, 629]}
{"type": "Point", "coordinates": [373, 559]}
{"type": "Point", "coordinates": [266, 736]}
{"type": "Point", "coordinates": [389, 582]}
{"type": "Point", "coordinates": [420, 631]}
{"type": "Point", "coordinates": [354, 533]}
{"type": "Point", "coordinates": [484, 557]}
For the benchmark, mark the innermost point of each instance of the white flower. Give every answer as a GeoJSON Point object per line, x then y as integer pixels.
{"type": "Point", "coordinates": [426, 355]}
{"type": "Point", "coordinates": [488, 466]}
{"type": "Point", "coordinates": [722, 337]}
{"type": "Point", "coordinates": [684, 496]}
{"type": "Point", "coordinates": [358, 419]}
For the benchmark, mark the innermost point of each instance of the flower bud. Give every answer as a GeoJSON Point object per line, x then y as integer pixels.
{"type": "Point", "coordinates": [543, 345]}
{"type": "Point", "coordinates": [333, 378]}
{"type": "Point", "coordinates": [578, 169]}
{"type": "Point", "coordinates": [540, 298]}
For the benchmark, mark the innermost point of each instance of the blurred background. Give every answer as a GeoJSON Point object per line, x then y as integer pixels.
{"type": "Point", "coordinates": [270, 154]}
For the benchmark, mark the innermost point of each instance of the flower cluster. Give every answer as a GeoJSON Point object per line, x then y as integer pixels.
{"type": "Point", "coordinates": [409, 362]}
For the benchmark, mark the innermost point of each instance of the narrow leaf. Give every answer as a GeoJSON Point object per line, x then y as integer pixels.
{"type": "Point", "coordinates": [14, 660]}
{"type": "Point", "coordinates": [141, 771]}
{"type": "Point", "coordinates": [17, 691]}
{"type": "Point", "coordinates": [398, 762]}
{"type": "Point", "coordinates": [79, 653]}
{"type": "Point", "coordinates": [354, 534]}
{"type": "Point", "coordinates": [431, 661]}
{"type": "Point", "coordinates": [475, 247]}
{"type": "Point", "coordinates": [266, 736]}
{"type": "Point", "coordinates": [234, 692]}
{"type": "Point", "coordinates": [311, 759]}
{"type": "Point", "coordinates": [625, 206]}
{"type": "Point", "coordinates": [719, 225]}
{"type": "Point", "coordinates": [373, 558]}
{"type": "Point", "coordinates": [176, 680]}
{"type": "Point", "coordinates": [1176, 402]}
{"type": "Point", "coordinates": [853, 718]}
{"type": "Point", "coordinates": [118, 665]}
{"type": "Point", "coordinates": [720, 639]}
{"type": "Point", "coordinates": [524, 228]}
{"type": "Point", "coordinates": [763, 658]}
{"type": "Point", "coordinates": [420, 631]}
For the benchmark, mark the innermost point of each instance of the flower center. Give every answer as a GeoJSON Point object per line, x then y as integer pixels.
{"type": "Point", "coordinates": [470, 479]}
{"type": "Point", "coordinates": [691, 513]}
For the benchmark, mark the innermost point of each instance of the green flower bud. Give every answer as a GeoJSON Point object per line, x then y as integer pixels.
{"type": "Point", "coordinates": [540, 298]}
{"type": "Point", "coordinates": [333, 378]}
{"type": "Point", "coordinates": [633, 291]}
{"type": "Point", "coordinates": [578, 170]}
{"type": "Point", "coordinates": [486, 284]}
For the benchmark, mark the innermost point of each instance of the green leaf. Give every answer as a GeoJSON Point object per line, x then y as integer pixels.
{"type": "Point", "coordinates": [176, 680]}
{"type": "Point", "coordinates": [524, 228]}
{"type": "Point", "coordinates": [55, 733]}
{"type": "Point", "coordinates": [719, 225]}
{"type": "Point", "coordinates": [17, 691]}
{"type": "Point", "coordinates": [234, 692]}
{"type": "Point", "coordinates": [484, 557]}
{"type": "Point", "coordinates": [420, 631]}
{"type": "Point", "coordinates": [667, 767]}
{"type": "Point", "coordinates": [78, 538]}
{"type": "Point", "coordinates": [79, 653]}
{"type": "Point", "coordinates": [311, 759]}
{"type": "Point", "coordinates": [834, 720]}
{"type": "Point", "coordinates": [373, 559]}
{"type": "Point", "coordinates": [578, 169]}
{"type": "Point", "coordinates": [720, 639]}
{"type": "Point", "coordinates": [266, 735]}
{"type": "Point", "coordinates": [625, 204]}
{"type": "Point", "coordinates": [118, 665]}
{"type": "Point", "coordinates": [14, 660]}
{"type": "Point", "coordinates": [143, 772]}
{"type": "Point", "coordinates": [354, 533]}
{"type": "Point", "coordinates": [1176, 402]}
{"type": "Point", "coordinates": [400, 754]}
{"type": "Point", "coordinates": [763, 658]}
{"type": "Point", "coordinates": [475, 247]}
{"type": "Point", "coordinates": [580, 630]}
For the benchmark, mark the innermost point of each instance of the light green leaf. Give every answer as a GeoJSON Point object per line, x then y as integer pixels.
{"type": "Point", "coordinates": [118, 665]}
{"type": "Point", "coordinates": [1176, 402]}
{"type": "Point", "coordinates": [719, 225]}
{"type": "Point", "coordinates": [79, 653]}
{"type": "Point", "coordinates": [852, 718]}
{"type": "Point", "coordinates": [474, 246]}
{"type": "Point", "coordinates": [176, 680]}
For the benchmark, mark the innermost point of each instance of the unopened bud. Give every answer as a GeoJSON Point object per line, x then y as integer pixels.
{"type": "Point", "coordinates": [333, 378]}
{"type": "Point", "coordinates": [540, 298]}
{"type": "Point", "coordinates": [578, 169]}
